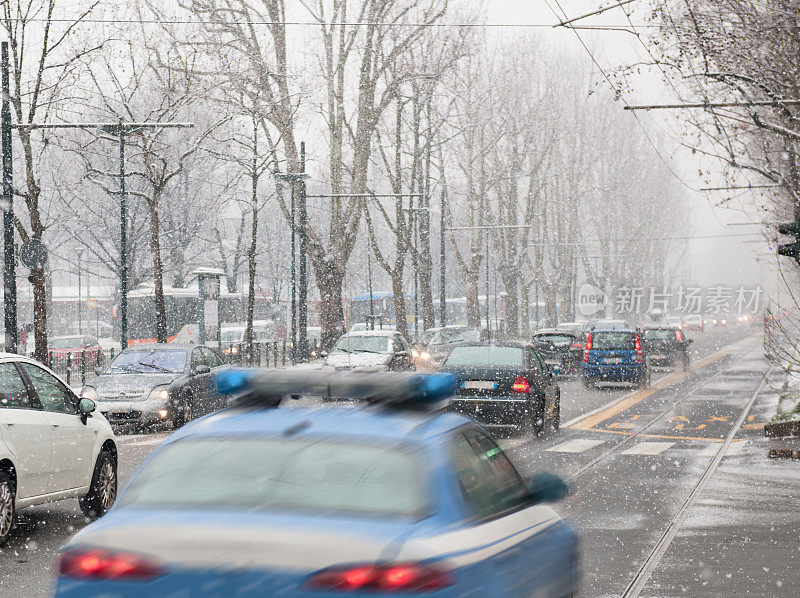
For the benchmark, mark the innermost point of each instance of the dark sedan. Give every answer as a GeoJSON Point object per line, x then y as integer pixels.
{"type": "Point", "coordinates": [505, 386]}
{"type": "Point", "coordinates": [667, 347]}
{"type": "Point", "coordinates": [158, 385]}
{"type": "Point", "coordinates": [561, 350]}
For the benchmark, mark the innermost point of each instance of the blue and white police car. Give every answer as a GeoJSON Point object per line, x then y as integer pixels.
{"type": "Point", "coordinates": [388, 498]}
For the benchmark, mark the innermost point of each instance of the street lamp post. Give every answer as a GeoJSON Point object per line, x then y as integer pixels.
{"type": "Point", "coordinates": [80, 300]}
{"type": "Point", "coordinates": [292, 178]}
{"type": "Point", "coordinates": [414, 212]}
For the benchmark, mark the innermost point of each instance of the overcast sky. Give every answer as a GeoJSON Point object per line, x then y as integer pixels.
{"type": "Point", "coordinates": [729, 260]}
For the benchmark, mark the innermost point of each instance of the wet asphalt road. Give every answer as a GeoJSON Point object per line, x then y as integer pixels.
{"type": "Point", "coordinates": [634, 460]}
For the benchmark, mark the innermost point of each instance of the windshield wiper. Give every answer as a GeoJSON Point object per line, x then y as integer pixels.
{"type": "Point", "coordinates": [125, 368]}
{"type": "Point", "coordinates": [156, 367]}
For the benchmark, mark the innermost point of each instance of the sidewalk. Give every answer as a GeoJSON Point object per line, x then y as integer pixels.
{"type": "Point", "coordinates": [742, 537]}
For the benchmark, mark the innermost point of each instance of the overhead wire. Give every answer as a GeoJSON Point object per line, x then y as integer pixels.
{"type": "Point", "coordinates": [624, 101]}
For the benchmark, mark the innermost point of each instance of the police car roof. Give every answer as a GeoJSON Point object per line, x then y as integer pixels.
{"type": "Point", "coordinates": [364, 423]}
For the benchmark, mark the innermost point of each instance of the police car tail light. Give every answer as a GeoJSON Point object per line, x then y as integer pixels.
{"type": "Point", "coordinates": [521, 384]}
{"type": "Point", "coordinates": [588, 348]}
{"type": "Point", "coordinates": [102, 564]}
{"type": "Point", "coordinates": [400, 577]}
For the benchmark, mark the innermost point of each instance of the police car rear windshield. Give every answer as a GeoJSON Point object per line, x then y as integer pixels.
{"type": "Point", "coordinates": [309, 474]}
{"type": "Point", "coordinates": [613, 340]}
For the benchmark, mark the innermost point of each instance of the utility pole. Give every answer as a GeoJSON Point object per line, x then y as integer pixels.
{"type": "Point", "coordinates": [80, 306]}
{"type": "Point", "coordinates": [442, 277]}
{"type": "Point", "coordinates": [117, 131]}
{"type": "Point", "coordinates": [291, 178]}
{"type": "Point", "coordinates": [293, 275]}
{"type": "Point", "coordinates": [302, 312]}
{"type": "Point", "coordinates": [488, 324]}
{"type": "Point", "coordinates": [123, 243]}
{"type": "Point", "coordinates": [9, 270]}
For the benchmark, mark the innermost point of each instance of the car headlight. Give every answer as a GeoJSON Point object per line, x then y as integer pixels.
{"type": "Point", "coordinates": [89, 392]}
{"type": "Point", "coordinates": [425, 355]}
{"type": "Point", "coordinates": [714, 321]}
{"type": "Point", "coordinates": [160, 393]}
{"type": "Point", "coordinates": [724, 321]}
{"type": "Point", "coordinates": [234, 350]}
{"type": "Point", "coordinates": [414, 353]}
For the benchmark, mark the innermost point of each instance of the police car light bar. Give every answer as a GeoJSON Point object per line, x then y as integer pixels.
{"type": "Point", "coordinates": [265, 388]}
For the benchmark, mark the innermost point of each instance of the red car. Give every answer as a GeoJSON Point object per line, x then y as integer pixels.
{"type": "Point", "coordinates": [74, 350]}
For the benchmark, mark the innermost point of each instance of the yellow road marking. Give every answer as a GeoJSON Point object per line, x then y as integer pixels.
{"type": "Point", "coordinates": [662, 383]}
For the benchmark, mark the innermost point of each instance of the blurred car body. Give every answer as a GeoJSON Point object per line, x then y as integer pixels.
{"type": "Point", "coordinates": [162, 385]}
{"type": "Point", "coordinates": [371, 349]}
{"type": "Point", "coordinates": [673, 322]}
{"type": "Point", "coordinates": [615, 355]}
{"type": "Point", "coordinates": [667, 346]}
{"type": "Point", "coordinates": [437, 342]}
{"type": "Point", "coordinates": [53, 446]}
{"type": "Point", "coordinates": [562, 351]}
{"type": "Point", "coordinates": [694, 322]}
{"type": "Point", "coordinates": [74, 350]}
{"type": "Point", "coordinates": [506, 386]}
{"type": "Point", "coordinates": [319, 502]}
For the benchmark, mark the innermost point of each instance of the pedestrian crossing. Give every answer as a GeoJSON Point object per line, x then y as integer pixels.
{"type": "Point", "coordinates": [647, 447]}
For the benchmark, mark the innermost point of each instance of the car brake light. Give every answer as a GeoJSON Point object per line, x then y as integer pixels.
{"type": "Point", "coordinates": [521, 384]}
{"type": "Point", "coordinates": [638, 345]}
{"type": "Point", "coordinates": [400, 577]}
{"type": "Point", "coordinates": [101, 564]}
{"type": "Point", "coordinates": [588, 348]}
{"type": "Point", "coordinates": [678, 335]}
{"type": "Point", "coordinates": [576, 347]}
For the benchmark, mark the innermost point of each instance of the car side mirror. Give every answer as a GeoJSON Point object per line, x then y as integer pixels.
{"type": "Point", "coordinates": [547, 487]}
{"type": "Point", "coordinates": [85, 408]}
{"type": "Point", "coordinates": [201, 369]}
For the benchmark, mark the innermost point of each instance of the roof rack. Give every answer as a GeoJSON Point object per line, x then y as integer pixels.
{"type": "Point", "coordinates": [405, 391]}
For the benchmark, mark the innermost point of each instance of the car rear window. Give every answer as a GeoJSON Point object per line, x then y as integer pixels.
{"type": "Point", "coordinates": [612, 340]}
{"type": "Point", "coordinates": [660, 334]}
{"type": "Point", "coordinates": [486, 356]}
{"type": "Point", "coordinates": [559, 340]}
{"type": "Point", "coordinates": [326, 476]}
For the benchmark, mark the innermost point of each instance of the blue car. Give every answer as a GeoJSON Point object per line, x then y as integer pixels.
{"type": "Point", "coordinates": [615, 356]}
{"type": "Point", "coordinates": [386, 498]}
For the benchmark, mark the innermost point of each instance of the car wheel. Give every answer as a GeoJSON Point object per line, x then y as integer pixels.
{"type": "Point", "coordinates": [6, 507]}
{"type": "Point", "coordinates": [183, 413]}
{"type": "Point", "coordinates": [539, 415]}
{"type": "Point", "coordinates": [103, 491]}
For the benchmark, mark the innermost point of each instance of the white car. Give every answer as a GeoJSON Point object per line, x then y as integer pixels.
{"type": "Point", "coordinates": [53, 445]}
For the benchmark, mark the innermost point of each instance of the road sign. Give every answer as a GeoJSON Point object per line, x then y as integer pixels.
{"type": "Point", "coordinates": [33, 254]}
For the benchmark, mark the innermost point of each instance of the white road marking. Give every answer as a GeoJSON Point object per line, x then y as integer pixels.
{"type": "Point", "coordinates": [648, 448]}
{"type": "Point", "coordinates": [735, 448]}
{"type": "Point", "coordinates": [138, 441]}
{"type": "Point", "coordinates": [578, 445]}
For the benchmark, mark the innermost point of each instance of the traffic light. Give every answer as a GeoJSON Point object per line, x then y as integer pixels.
{"type": "Point", "coordinates": [790, 249]}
